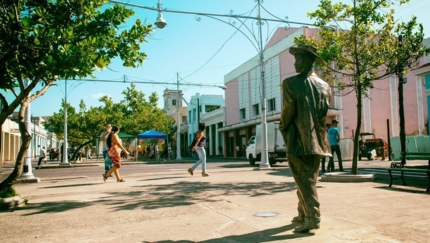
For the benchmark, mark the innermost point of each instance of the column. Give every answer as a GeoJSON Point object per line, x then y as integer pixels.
{"type": "Point", "coordinates": [216, 139]}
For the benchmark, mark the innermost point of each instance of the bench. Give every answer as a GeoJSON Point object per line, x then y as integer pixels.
{"type": "Point", "coordinates": [408, 169]}
{"type": "Point", "coordinates": [417, 156]}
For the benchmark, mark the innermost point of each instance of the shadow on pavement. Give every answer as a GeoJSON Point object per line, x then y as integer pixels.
{"type": "Point", "coordinates": [71, 185]}
{"type": "Point", "coordinates": [52, 207]}
{"type": "Point", "coordinates": [187, 193]}
{"type": "Point", "coordinates": [161, 196]}
{"type": "Point", "coordinates": [267, 235]}
{"type": "Point", "coordinates": [403, 189]}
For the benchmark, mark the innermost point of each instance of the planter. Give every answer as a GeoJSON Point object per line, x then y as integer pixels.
{"type": "Point", "coordinates": [12, 202]}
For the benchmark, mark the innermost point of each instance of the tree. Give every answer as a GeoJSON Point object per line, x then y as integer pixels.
{"type": "Point", "coordinates": [83, 127]}
{"type": "Point", "coordinates": [141, 115]}
{"type": "Point", "coordinates": [369, 51]}
{"type": "Point", "coordinates": [42, 41]}
{"type": "Point", "coordinates": [134, 114]}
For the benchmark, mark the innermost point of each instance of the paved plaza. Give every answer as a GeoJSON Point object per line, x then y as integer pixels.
{"type": "Point", "coordinates": [172, 206]}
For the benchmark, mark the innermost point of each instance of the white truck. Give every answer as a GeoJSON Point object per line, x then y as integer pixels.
{"type": "Point", "coordinates": [275, 145]}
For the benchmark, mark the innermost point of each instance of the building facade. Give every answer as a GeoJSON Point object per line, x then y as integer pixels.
{"type": "Point", "coordinates": [209, 109]}
{"type": "Point", "coordinates": [243, 94]}
{"type": "Point", "coordinates": [10, 139]}
{"type": "Point", "coordinates": [423, 73]}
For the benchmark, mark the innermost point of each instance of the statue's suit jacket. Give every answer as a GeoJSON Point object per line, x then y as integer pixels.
{"type": "Point", "coordinates": [303, 117]}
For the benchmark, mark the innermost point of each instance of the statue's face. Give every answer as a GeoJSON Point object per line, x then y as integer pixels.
{"type": "Point", "coordinates": [303, 63]}
{"type": "Point", "coordinates": [299, 63]}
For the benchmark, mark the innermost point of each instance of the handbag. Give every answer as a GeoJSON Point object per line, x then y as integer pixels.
{"type": "Point", "coordinates": [192, 145]}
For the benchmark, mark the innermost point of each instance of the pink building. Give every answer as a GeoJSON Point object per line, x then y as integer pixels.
{"type": "Point", "coordinates": [243, 97]}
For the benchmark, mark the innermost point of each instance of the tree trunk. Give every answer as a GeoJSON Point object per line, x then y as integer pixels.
{"type": "Point", "coordinates": [25, 143]}
{"type": "Point", "coordinates": [354, 169]}
{"type": "Point", "coordinates": [402, 121]}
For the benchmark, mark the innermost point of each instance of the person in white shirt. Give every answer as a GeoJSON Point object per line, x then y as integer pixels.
{"type": "Point", "coordinates": [42, 155]}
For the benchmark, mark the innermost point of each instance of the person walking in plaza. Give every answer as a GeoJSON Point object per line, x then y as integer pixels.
{"type": "Point", "coordinates": [324, 158]}
{"type": "Point", "coordinates": [306, 99]}
{"type": "Point", "coordinates": [88, 153]}
{"type": "Point", "coordinates": [114, 144]}
{"type": "Point", "coordinates": [220, 151]}
{"type": "Point", "coordinates": [42, 155]}
{"type": "Point", "coordinates": [103, 137]}
{"type": "Point", "coordinates": [199, 148]}
{"type": "Point", "coordinates": [381, 148]}
{"type": "Point", "coordinates": [333, 137]}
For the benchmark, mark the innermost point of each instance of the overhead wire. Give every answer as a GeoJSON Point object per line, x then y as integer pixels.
{"type": "Point", "coordinates": [222, 46]}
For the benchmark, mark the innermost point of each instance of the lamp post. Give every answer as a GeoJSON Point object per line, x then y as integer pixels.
{"type": "Point", "coordinates": [178, 116]}
{"type": "Point", "coordinates": [27, 172]}
{"type": "Point", "coordinates": [65, 160]}
{"type": "Point", "coordinates": [249, 33]}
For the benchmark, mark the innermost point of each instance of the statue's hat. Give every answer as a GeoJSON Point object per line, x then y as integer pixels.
{"type": "Point", "coordinates": [305, 49]}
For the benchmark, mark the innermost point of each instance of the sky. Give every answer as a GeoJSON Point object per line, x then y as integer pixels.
{"type": "Point", "coordinates": [199, 52]}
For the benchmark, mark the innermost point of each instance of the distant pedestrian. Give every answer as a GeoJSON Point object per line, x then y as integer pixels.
{"type": "Point", "coordinates": [42, 156]}
{"type": "Point", "coordinates": [80, 152]}
{"type": "Point", "coordinates": [333, 137]}
{"type": "Point", "coordinates": [103, 138]}
{"type": "Point", "coordinates": [199, 147]}
{"type": "Point", "coordinates": [220, 151]}
{"type": "Point", "coordinates": [381, 148]}
{"type": "Point", "coordinates": [88, 155]}
{"type": "Point", "coordinates": [114, 144]}
{"type": "Point", "coordinates": [57, 154]}
{"type": "Point", "coordinates": [327, 125]}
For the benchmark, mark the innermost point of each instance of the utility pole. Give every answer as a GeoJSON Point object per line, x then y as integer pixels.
{"type": "Point", "coordinates": [27, 173]}
{"type": "Point", "coordinates": [65, 160]}
{"type": "Point", "coordinates": [178, 122]}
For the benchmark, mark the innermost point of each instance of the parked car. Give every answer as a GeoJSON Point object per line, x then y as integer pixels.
{"type": "Point", "coordinates": [275, 145]}
{"type": "Point", "coordinates": [369, 147]}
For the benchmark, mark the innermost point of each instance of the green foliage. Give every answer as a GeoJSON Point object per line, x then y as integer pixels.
{"type": "Point", "coordinates": [65, 39]}
{"type": "Point", "coordinates": [8, 192]}
{"type": "Point", "coordinates": [134, 114]}
{"type": "Point", "coordinates": [369, 50]}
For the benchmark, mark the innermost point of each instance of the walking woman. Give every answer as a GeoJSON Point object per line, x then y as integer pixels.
{"type": "Point", "coordinates": [199, 148]}
{"type": "Point", "coordinates": [114, 144]}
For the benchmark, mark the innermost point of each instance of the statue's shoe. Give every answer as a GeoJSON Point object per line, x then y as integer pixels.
{"type": "Point", "coordinates": [307, 226]}
{"type": "Point", "coordinates": [298, 219]}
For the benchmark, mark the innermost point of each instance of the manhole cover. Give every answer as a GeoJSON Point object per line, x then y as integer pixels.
{"type": "Point", "coordinates": [266, 214]}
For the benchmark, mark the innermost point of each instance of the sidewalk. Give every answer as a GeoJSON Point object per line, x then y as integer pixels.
{"type": "Point", "coordinates": [172, 206]}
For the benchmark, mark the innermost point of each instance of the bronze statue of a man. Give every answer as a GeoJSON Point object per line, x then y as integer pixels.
{"type": "Point", "coordinates": [303, 121]}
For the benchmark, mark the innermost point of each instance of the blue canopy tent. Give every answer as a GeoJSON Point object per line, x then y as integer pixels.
{"type": "Point", "coordinates": [155, 134]}
{"type": "Point", "coordinates": [152, 134]}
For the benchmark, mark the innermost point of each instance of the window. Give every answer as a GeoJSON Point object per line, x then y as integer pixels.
{"type": "Point", "coordinates": [255, 110]}
{"type": "Point", "coordinates": [242, 114]}
{"type": "Point", "coordinates": [173, 102]}
{"type": "Point", "coordinates": [271, 105]}
{"type": "Point", "coordinates": [184, 119]}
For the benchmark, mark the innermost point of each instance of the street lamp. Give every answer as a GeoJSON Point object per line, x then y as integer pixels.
{"type": "Point", "coordinates": [160, 22]}
{"type": "Point", "coordinates": [256, 41]}
{"type": "Point", "coordinates": [65, 160]}
{"type": "Point", "coordinates": [27, 172]}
